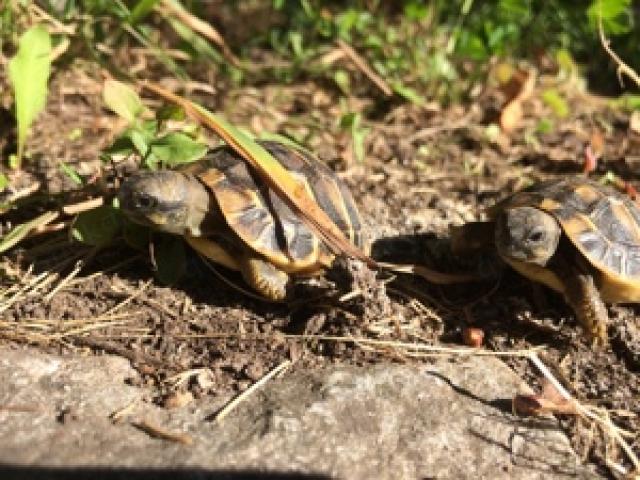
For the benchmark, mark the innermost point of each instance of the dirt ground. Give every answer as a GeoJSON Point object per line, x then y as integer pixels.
{"type": "Point", "coordinates": [426, 168]}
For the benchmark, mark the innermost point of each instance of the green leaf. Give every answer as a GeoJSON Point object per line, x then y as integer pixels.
{"type": "Point", "coordinates": [97, 227]}
{"type": "Point", "coordinates": [628, 101]}
{"type": "Point", "coordinates": [4, 182]}
{"type": "Point", "coordinates": [408, 93]}
{"type": "Point", "coordinates": [140, 141]}
{"type": "Point", "coordinates": [342, 79]}
{"type": "Point", "coordinates": [122, 99]}
{"type": "Point", "coordinates": [71, 173]}
{"type": "Point", "coordinates": [177, 148]}
{"type": "Point", "coordinates": [351, 121]}
{"type": "Point", "coordinates": [171, 259]}
{"type": "Point", "coordinates": [141, 10]}
{"type": "Point", "coordinates": [545, 126]}
{"type": "Point", "coordinates": [558, 104]}
{"type": "Point", "coordinates": [29, 71]}
{"type": "Point", "coordinates": [616, 15]}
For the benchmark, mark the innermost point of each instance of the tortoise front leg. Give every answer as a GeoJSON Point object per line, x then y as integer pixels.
{"type": "Point", "coordinates": [471, 238]}
{"type": "Point", "coordinates": [264, 277]}
{"type": "Point", "coordinates": [583, 296]}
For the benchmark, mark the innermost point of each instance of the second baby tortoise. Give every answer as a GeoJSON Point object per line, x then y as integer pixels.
{"type": "Point", "coordinates": [227, 213]}
{"type": "Point", "coordinates": [574, 235]}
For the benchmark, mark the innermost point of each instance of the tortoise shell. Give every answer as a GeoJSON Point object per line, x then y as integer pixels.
{"type": "Point", "coordinates": [603, 224]}
{"type": "Point", "coordinates": [262, 220]}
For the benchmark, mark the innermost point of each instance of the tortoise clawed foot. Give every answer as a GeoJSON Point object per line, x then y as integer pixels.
{"type": "Point", "coordinates": [265, 278]}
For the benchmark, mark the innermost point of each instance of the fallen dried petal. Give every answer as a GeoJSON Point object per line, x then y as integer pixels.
{"type": "Point", "coordinates": [473, 337]}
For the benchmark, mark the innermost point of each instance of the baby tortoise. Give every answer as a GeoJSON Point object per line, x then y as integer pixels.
{"type": "Point", "coordinates": [228, 214]}
{"type": "Point", "coordinates": [573, 235]}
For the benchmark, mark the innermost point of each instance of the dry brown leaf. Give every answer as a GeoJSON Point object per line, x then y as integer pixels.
{"type": "Point", "coordinates": [518, 89]}
{"type": "Point", "coordinates": [549, 401]}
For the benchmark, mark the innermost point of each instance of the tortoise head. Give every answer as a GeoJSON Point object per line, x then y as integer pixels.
{"type": "Point", "coordinates": [527, 234]}
{"type": "Point", "coordinates": [168, 201]}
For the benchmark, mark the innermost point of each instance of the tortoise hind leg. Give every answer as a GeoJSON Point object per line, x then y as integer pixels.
{"type": "Point", "coordinates": [583, 296]}
{"type": "Point", "coordinates": [264, 277]}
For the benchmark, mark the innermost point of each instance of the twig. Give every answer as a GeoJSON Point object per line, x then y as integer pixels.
{"type": "Point", "coordinates": [623, 68]}
{"type": "Point", "coordinates": [433, 276]}
{"type": "Point", "coordinates": [362, 65]}
{"type": "Point", "coordinates": [244, 395]}
{"type": "Point", "coordinates": [159, 432]}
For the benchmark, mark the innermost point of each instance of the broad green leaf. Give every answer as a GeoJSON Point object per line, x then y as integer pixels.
{"type": "Point", "coordinates": [122, 99]}
{"type": "Point", "coordinates": [171, 259]}
{"type": "Point", "coordinates": [140, 141]}
{"type": "Point", "coordinates": [29, 71]}
{"type": "Point", "coordinates": [176, 148]}
{"type": "Point", "coordinates": [21, 231]}
{"type": "Point", "coordinates": [97, 227]}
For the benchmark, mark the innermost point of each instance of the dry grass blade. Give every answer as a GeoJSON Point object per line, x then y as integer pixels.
{"type": "Point", "coordinates": [46, 330]}
{"type": "Point", "coordinates": [433, 276]}
{"type": "Point", "coordinates": [12, 238]}
{"type": "Point", "coordinates": [12, 295]}
{"type": "Point", "coordinates": [80, 207]}
{"type": "Point", "coordinates": [278, 178]}
{"type": "Point", "coordinates": [203, 28]}
{"type": "Point", "coordinates": [362, 65]}
{"type": "Point", "coordinates": [244, 395]}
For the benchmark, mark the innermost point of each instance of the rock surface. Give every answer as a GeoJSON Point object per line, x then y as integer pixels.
{"type": "Point", "coordinates": [449, 419]}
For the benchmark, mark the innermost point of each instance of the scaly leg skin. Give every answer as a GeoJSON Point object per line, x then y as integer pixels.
{"type": "Point", "coordinates": [583, 296]}
{"type": "Point", "coordinates": [264, 277]}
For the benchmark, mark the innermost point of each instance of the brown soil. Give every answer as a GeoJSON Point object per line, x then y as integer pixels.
{"type": "Point", "coordinates": [426, 168]}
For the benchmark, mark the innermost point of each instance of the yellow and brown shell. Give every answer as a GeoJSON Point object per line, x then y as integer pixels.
{"type": "Point", "coordinates": [603, 224]}
{"type": "Point", "coordinates": [263, 221]}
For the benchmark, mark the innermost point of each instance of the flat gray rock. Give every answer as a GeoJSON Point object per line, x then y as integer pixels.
{"type": "Point", "coordinates": [449, 419]}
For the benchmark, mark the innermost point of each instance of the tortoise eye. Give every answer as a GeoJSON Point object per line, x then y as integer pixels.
{"type": "Point", "coordinates": [145, 201]}
{"type": "Point", "coordinates": [537, 235]}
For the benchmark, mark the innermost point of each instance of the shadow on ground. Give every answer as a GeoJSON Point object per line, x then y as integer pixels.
{"type": "Point", "coordinates": [13, 472]}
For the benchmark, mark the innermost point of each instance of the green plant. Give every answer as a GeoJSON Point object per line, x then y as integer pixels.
{"type": "Point", "coordinates": [29, 72]}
